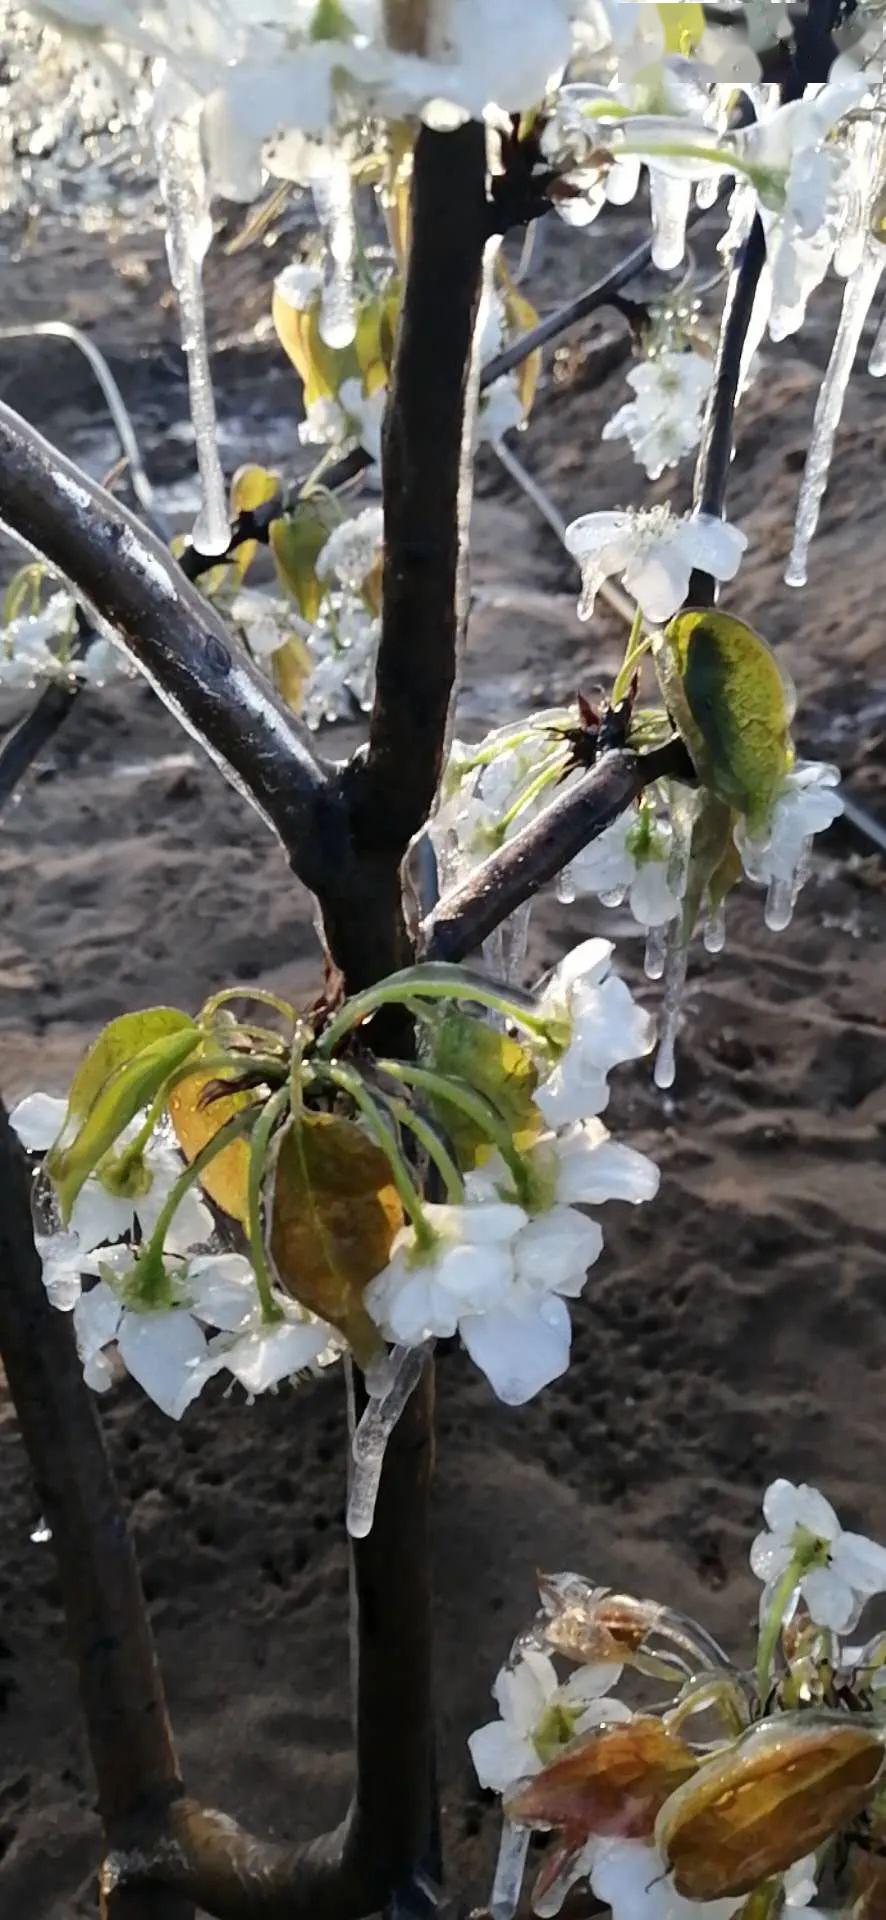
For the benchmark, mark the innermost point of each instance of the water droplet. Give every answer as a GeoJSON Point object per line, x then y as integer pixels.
{"type": "Point", "coordinates": [41, 1534]}
{"type": "Point", "coordinates": [715, 929]}
{"type": "Point", "coordinates": [779, 909]}
{"type": "Point", "coordinates": [613, 897]}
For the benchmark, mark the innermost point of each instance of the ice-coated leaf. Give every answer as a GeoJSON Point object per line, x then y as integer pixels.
{"type": "Point", "coordinates": [714, 860]}
{"type": "Point", "coordinates": [125, 1091]}
{"type": "Point", "coordinates": [322, 368]}
{"type": "Point", "coordinates": [292, 667]}
{"type": "Point", "coordinates": [334, 1217]}
{"type": "Point", "coordinates": [778, 1793]}
{"type": "Point", "coordinates": [297, 540]}
{"type": "Point", "coordinates": [251, 487]}
{"type": "Point", "coordinates": [494, 1064]}
{"type": "Point", "coordinates": [376, 330]}
{"type": "Point", "coordinates": [118, 1042]}
{"type": "Point", "coordinates": [225, 1179]}
{"type": "Point", "coordinates": [612, 1782]}
{"type": "Point", "coordinates": [522, 316]}
{"type": "Point", "coordinates": [728, 698]}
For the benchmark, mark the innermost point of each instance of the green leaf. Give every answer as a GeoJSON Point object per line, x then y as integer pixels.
{"type": "Point", "coordinates": [714, 860]}
{"type": "Point", "coordinates": [334, 1217]}
{"type": "Point", "coordinates": [118, 1042]}
{"type": "Point", "coordinates": [123, 1093]}
{"type": "Point", "coordinates": [297, 540]}
{"type": "Point", "coordinates": [729, 700]}
{"type": "Point", "coordinates": [494, 1064]}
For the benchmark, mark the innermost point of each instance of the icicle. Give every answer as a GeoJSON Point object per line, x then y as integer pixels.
{"type": "Point", "coordinates": [514, 941]}
{"type": "Point", "coordinates": [613, 897]}
{"type": "Point", "coordinates": [185, 191]}
{"type": "Point", "coordinates": [779, 909]}
{"type": "Point", "coordinates": [672, 1000]}
{"type": "Point", "coordinates": [509, 1870]}
{"type": "Point", "coordinates": [877, 361]}
{"type": "Point", "coordinates": [860, 291]}
{"type": "Point", "coordinates": [656, 949]}
{"type": "Point", "coordinates": [715, 929]}
{"type": "Point", "coordinates": [669, 200]}
{"type": "Point", "coordinates": [558, 1880]}
{"type": "Point", "coordinates": [373, 1433]}
{"type": "Point", "coordinates": [565, 887]}
{"type": "Point", "coordinates": [334, 206]}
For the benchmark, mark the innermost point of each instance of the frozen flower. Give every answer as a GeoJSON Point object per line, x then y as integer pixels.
{"type": "Point", "coordinates": [583, 1166]}
{"type": "Point", "coordinates": [29, 645]}
{"type": "Point", "coordinates": [265, 621]}
{"type": "Point", "coordinates": [343, 646]}
{"type": "Point", "coordinates": [538, 1716]}
{"type": "Point", "coordinates": [836, 1571]}
{"type": "Point", "coordinates": [351, 418]}
{"type": "Point", "coordinates": [522, 1345]}
{"type": "Point", "coordinates": [809, 803]}
{"type": "Point", "coordinates": [124, 1190]}
{"type": "Point", "coordinates": [654, 552]}
{"type": "Point", "coordinates": [500, 411]}
{"type": "Point", "coordinates": [165, 1348]}
{"type": "Point", "coordinates": [632, 856]}
{"type": "Point", "coordinates": [631, 1879]}
{"type": "Point", "coordinates": [663, 423]}
{"type": "Point", "coordinates": [467, 1268]}
{"type": "Point", "coordinates": [599, 1025]}
{"type": "Point", "coordinates": [352, 549]}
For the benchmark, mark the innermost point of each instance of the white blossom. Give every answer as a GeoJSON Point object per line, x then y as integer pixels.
{"type": "Point", "coordinates": [352, 549]}
{"type": "Point", "coordinates": [837, 1571]}
{"type": "Point", "coordinates": [663, 423]}
{"type": "Point", "coordinates": [654, 552]}
{"type": "Point", "coordinates": [537, 1715]}
{"type": "Point", "coordinates": [103, 1211]}
{"type": "Point", "coordinates": [468, 1268]}
{"type": "Point", "coordinates": [632, 856]}
{"type": "Point", "coordinates": [350, 418]}
{"type": "Point", "coordinates": [602, 1027]}
{"type": "Point", "coordinates": [808, 803]}
{"type": "Point", "coordinates": [632, 1880]}
{"type": "Point", "coordinates": [165, 1348]}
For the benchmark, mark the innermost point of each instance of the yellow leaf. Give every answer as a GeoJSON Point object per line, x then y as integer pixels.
{"type": "Point", "coordinates": [611, 1782]}
{"type": "Point", "coordinates": [521, 317]}
{"type": "Point", "coordinates": [292, 667]}
{"type": "Point", "coordinates": [251, 487]}
{"type": "Point", "coordinates": [335, 1214]}
{"type": "Point", "coordinates": [683, 24]}
{"type": "Point", "coordinates": [778, 1793]}
{"type": "Point", "coordinates": [225, 1179]}
{"type": "Point", "coordinates": [729, 700]}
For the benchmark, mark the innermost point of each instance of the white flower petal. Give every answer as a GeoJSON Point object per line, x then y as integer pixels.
{"type": "Point", "coordinates": [830, 1600]}
{"type": "Point", "coordinates": [38, 1120]}
{"type": "Point", "coordinates": [97, 1317]}
{"type": "Point", "coordinates": [160, 1350]}
{"type": "Point", "coordinates": [861, 1562]}
{"type": "Point", "coordinates": [520, 1352]}
{"type": "Point", "coordinates": [222, 1291]}
{"type": "Point", "coordinates": [770, 1554]}
{"type": "Point", "coordinates": [262, 1359]}
{"type": "Point", "coordinates": [553, 1253]}
{"type": "Point", "coordinates": [501, 1756]}
{"type": "Point", "coordinates": [592, 1169]}
{"type": "Point", "coordinates": [524, 1690]}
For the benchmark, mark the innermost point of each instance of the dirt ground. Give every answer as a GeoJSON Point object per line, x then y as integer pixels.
{"type": "Point", "coordinates": [731, 1331]}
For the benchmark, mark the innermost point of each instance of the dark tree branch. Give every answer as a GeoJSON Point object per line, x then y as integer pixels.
{"type": "Point", "coordinates": [470, 912]}
{"type": "Point", "coordinates": [120, 1684]}
{"type": "Point", "coordinates": [176, 639]}
{"type": "Point", "coordinates": [715, 452]}
{"type": "Point", "coordinates": [421, 465]}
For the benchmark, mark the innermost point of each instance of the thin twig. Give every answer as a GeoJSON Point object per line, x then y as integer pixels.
{"type": "Point", "coordinates": [113, 398]}
{"type": "Point", "coordinates": [132, 584]}
{"type": "Point", "coordinates": [715, 451]}
{"type": "Point", "coordinates": [465, 917]}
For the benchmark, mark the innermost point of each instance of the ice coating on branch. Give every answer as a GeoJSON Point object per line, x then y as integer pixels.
{"type": "Point", "coordinates": [857, 299]}
{"type": "Point", "coordinates": [877, 361]}
{"type": "Point", "coordinates": [186, 198]}
{"type": "Point", "coordinates": [398, 1381]}
{"type": "Point", "coordinates": [676, 963]}
{"type": "Point", "coordinates": [509, 1870]}
{"type": "Point", "coordinates": [334, 206]}
{"type": "Point", "coordinates": [669, 201]}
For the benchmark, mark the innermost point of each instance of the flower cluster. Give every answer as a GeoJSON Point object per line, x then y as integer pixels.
{"type": "Point", "coordinates": [38, 645]}
{"type": "Point", "coordinates": [664, 1826]}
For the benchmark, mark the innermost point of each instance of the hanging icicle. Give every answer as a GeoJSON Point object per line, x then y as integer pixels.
{"type": "Point", "coordinates": [877, 361]}
{"type": "Point", "coordinates": [509, 1870]}
{"type": "Point", "coordinates": [860, 291]}
{"type": "Point", "coordinates": [669, 203]}
{"type": "Point", "coordinates": [676, 963]}
{"type": "Point", "coordinates": [186, 199]}
{"type": "Point", "coordinates": [396, 1382]}
{"type": "Point", "coordinates": [333, 198]}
